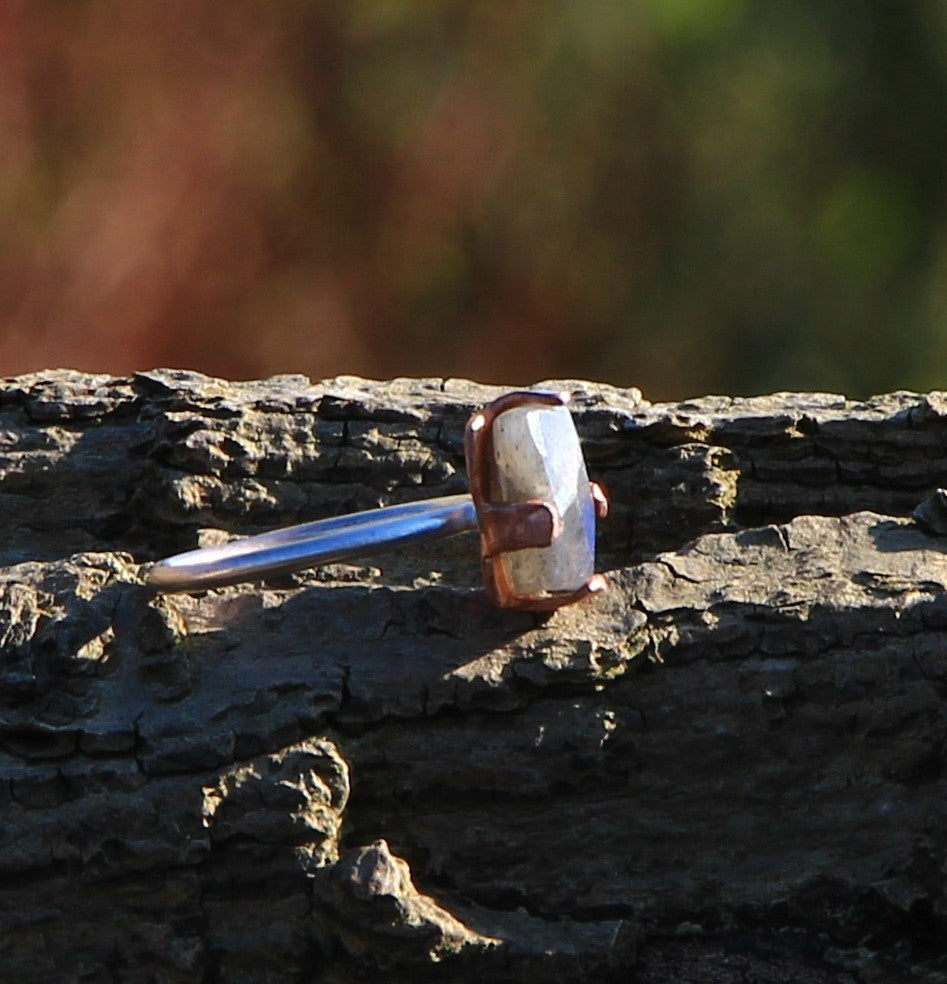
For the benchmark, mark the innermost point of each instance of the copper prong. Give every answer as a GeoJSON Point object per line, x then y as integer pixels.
{"type": "Point", "coordinates": [507, 526]}
{"type": "Point", "coordinates": [600, 499]}
{"type": "Point", "coordinates": [596, 583]}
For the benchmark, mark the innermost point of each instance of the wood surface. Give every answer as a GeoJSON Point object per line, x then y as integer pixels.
{"type": "Point", "coordinates": [727, 767]}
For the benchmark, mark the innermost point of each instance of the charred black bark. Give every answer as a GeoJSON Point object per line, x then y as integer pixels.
{"type": "Point", "coordinates": [729, 766]}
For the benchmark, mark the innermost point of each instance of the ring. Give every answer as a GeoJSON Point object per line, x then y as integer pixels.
{"type": "Point", "coordinates": [530, 497]}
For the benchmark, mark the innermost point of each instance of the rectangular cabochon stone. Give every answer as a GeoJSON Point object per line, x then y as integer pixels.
{"type": "Point", "coordinates": [537, 455]}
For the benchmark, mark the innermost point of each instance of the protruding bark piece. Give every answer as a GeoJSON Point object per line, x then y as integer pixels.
{"type": "Point", "coordinates": [382, 920]}
{"type": "Point", "coordinates": [931, 514]}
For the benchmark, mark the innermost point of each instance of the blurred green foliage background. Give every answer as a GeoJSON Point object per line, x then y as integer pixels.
{"type": "Point", "coordinates": [684, 195]}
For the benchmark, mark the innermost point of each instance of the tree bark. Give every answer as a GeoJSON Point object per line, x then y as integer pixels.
{"type": "Point", "coordinates": [729, 766]}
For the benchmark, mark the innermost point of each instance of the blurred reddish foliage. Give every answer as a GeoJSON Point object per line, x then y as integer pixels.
{"type": "Point", "coordinates": [660, 196]}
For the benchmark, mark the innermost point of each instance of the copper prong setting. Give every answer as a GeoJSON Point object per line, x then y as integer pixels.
{"type": "Point", "coordinates": [507, 526]}
{"type": "Point", "coordinates": [600, 499]}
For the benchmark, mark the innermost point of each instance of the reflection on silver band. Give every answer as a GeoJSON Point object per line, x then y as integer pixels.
{"type": "Point", "coordinates": [309, 544]}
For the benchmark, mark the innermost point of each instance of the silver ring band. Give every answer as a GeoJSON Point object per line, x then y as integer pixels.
{"type": "Point", "coordinates": [308, 544]}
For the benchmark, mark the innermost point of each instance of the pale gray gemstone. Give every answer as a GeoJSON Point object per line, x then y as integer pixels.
{"type": "Point", "coordinates": [538, 456]}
